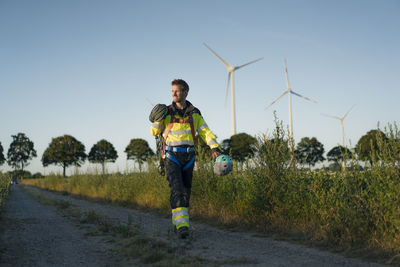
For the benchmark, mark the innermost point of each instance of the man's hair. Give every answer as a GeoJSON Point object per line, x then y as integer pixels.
{"type": "Point", "coordinates": [184, 86]}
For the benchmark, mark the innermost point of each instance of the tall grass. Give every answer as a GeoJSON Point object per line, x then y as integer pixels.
{"type": "Point", "coordinates": [5, 181]}
{"type": "Point", "coordinates": [348, 207]}
{"type": "Point", "coordinates": [143, 189]}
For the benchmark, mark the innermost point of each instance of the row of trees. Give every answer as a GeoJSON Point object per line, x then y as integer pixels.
{"type": "Point", "coordinates": [309, 151]}
{"type": "Point", "coordinates": [67, 151]}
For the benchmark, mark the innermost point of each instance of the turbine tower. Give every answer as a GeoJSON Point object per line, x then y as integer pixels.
{"type": "Point", "coordinates": [341, 121]}
{"type": "Point", "coordinates": [290, 91]}
{"type": "Point", "coordinates": [231, 70]}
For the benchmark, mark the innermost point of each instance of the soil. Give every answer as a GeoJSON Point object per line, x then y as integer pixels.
{"type": "Point", "coordinates": [38, 235]}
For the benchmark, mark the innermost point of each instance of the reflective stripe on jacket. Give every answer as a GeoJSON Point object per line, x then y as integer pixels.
{"type": "Point", "coordinates": [181, 134]}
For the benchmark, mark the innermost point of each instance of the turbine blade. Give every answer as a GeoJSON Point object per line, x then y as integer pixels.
{"type": "Point", "coordinates": [227, 88]}
{"type": "Point", "coordinates": [273, 102]}
{"type": "Point", "coordinates": [306, 98]}
{"type": "Point", "coordinates": [348, 111]}
{"type": "Point", "coordinates": [149, 102]}
{"type": "Point", "coordinates": [330, 116]}
{"type": "Point", "coordinates": [220, 58]}
{"type": "Point", "coordinates": [287, 76]}
{"type": "Point", "coordinates": [248, 63]}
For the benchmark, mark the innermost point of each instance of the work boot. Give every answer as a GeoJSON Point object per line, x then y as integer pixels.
{"type": "Point", "coordinates": [183, 232]}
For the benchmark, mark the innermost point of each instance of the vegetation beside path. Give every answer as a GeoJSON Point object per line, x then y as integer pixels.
{"type": "Point", "coordinates": [5, 181]}
{"type": "Point", "coordinates": [352, 210]}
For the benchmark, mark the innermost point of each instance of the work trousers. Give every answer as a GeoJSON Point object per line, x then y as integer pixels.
{"type": "Point", "coordinates": [180, 181]}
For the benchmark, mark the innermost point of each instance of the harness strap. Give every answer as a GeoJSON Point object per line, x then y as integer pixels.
{"type": "Point", "coordinates": [184, 168]}
{"type": "Point", "coordinates": [189, 164]}
{"type": "Point", "coordinates": [180, 149]}
{"type": "Point", "coordinates": [165, 138]}
{"type": "Point", "coordinates": [192, 128]}
{"type": "Point", "coordinates": [168, 155]}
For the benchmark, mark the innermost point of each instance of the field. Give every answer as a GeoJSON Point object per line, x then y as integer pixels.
{"type": "Point", "coordinates": [351, 208]}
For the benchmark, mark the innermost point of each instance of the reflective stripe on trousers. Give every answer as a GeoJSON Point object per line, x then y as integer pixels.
{"type": "Point", "coordinates": [180, 217]}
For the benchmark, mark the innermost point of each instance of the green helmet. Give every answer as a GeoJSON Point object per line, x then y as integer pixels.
{"type": "Point", "coordinates": [158, 113]}
{"type": "Point", "coordinates": [223, 165]}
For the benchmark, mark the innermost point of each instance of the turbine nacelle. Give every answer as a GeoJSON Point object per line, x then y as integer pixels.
{"type": "Point", "coordinates": [337, 117]}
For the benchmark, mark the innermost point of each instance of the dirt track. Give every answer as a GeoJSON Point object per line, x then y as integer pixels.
{"type": "Point", "coordinates": [38, 235]}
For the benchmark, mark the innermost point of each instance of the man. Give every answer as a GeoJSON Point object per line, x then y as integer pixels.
{"type": "Point", "coordinates": [179, 128]}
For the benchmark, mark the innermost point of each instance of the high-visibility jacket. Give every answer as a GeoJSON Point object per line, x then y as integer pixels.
{"type": "Point", "coordinates": [181, 133]}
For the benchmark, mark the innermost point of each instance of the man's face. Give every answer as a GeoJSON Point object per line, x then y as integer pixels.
{"type": "Point", "coordinates": [178, 95]}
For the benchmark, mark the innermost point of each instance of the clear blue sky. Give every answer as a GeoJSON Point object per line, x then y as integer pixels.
{"type": "Point", "coordinates": [86, 68]}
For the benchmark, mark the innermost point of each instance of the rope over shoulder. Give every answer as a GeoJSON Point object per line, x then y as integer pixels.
{"type": "Point", "coordinates": [158, 113]}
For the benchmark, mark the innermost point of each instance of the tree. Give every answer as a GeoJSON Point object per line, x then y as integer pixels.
{"type": "Point", "coordinates": [138, 150]}
{"type": "Point", "coordinates": [102, 152]}
{"type": "Point", "coordinates": [242, 146]}
{"type": "Point", "coordinates": [368, 146]}
{"type": "Point", "coordinates": [338, 154]}
{"type": "Point", "coordinates": [309, 151]}
{"type": "Point", "coordinates": [65, 151]}
{"type": "Point", "coordinates": [226, 146]}
{"type": "Point", "coordinates": [2, 158]}
{"type": "Point", "coordinates": [20, 152]}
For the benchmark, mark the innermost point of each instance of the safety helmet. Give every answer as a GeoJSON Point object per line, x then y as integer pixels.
{"type": "Point", "coordinates": [223, 165]}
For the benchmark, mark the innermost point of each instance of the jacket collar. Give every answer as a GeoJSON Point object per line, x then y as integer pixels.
{"type": "Point", "coordinates": [189, 108]}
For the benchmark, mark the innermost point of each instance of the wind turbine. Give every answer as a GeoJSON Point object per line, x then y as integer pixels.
{"type": "Point", "coordinates": [290, 91]}
{"type": "Point", "coordinates": [341, 121]}
{"type": "Point", "coordinates": [231, 70]}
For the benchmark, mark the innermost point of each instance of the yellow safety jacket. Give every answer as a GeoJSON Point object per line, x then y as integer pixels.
{"type": "Point", "coordinates": [180, 134]}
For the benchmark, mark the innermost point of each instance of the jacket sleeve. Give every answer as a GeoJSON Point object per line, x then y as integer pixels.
{"type": "Point", "coordinates": [205, 132]}
{"type": "Point", "coordinates": [157, 128]}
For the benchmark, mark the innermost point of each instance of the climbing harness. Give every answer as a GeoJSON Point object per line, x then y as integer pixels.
{"type": "Point", "coordinates": [180, 149]}
{"type": "Point", "coordinates": [165, 148]}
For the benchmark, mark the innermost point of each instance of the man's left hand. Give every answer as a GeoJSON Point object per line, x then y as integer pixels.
{"type": "Point", "coordinates": [216, 153]}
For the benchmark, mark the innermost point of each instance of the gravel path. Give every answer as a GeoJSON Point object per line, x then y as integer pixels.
{"type": "Point", "coordinates": [44, 231]}
{"type": "Point", "coordinates": [37, 235]}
